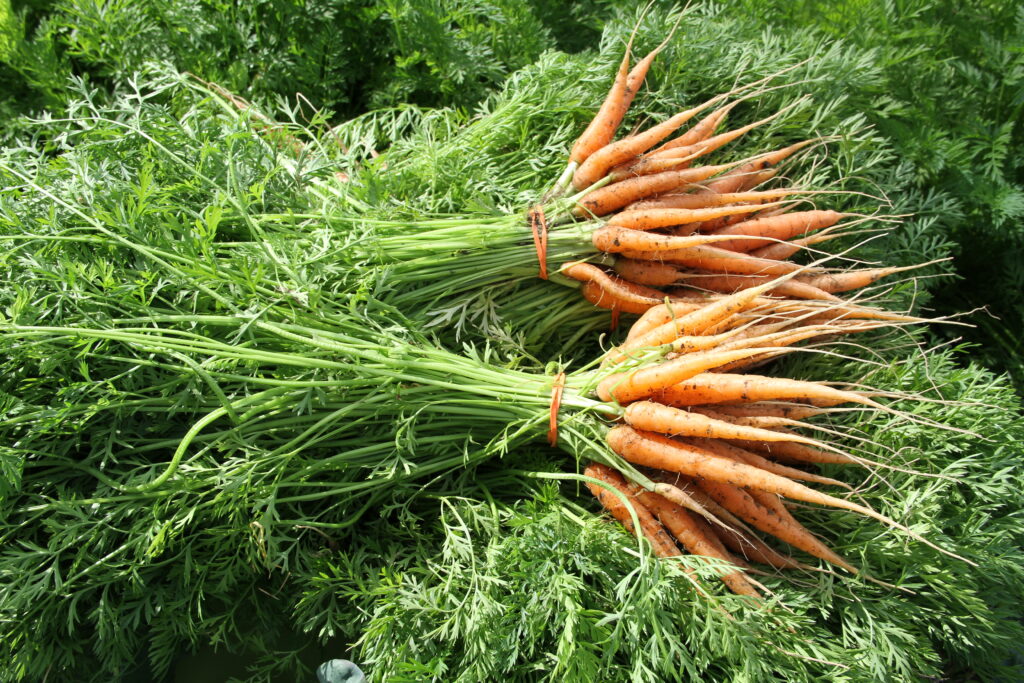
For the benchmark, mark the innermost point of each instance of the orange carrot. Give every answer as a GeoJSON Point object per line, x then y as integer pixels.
{"type": "Point", "coordinates": [651, 219]}
{"type": "Point", "coordinates": [743, 504]}
{"type": "Point", "coordinates": [731, 530]}
{"type": "Point", "coordinates": [792, 411]}
{"type": "Point", "coordinates": [797, 452]}
{"type": "Point", "coordinates": [728, 450]}
{"type": "Point", "coordinates": [778, 228]}
{"type": "Point", "coordinates": [617, 195]}
{"type": "Point", "coordinates": [654, 532]}
{"type": "Point", "coordinates": [602, 127]}
{"type": "Point", "coordinates": [725, 388]}
{"type": "Point", "coordinates": [783, 250]}
{"type": "Point", "coordinates": [686, 530]}
{"type": "Point", "coordinates": [615, 239]}
{"type": "Point", "coordinates": [700, 131]}
{"type": "Point", "coordinates": [717, 260]}
{"type": "Point", "coordinates": [737, 178]}
{"type": "Point", "coordinates": [797, 289]}
{"type": "Point", "coordinates": [636, 384]}
{"type": "Point", "coordinates": [646, 272]}
{"type": "Point", "coordinates": [694, 322]}
{"type": "Point", "coordinates": [703, 200]}
{"type": "Point", "coordinates": [613, 154]}
{"type": "Point", "coordinates": [655, 417]}
{"type": "Point", "coordinates": [662, 452]}
{"type": "Point", "coordinates": [855, 279]}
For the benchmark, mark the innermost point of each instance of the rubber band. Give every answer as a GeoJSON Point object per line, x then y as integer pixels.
{"type": "Point", "coordinates": [615, 319]}
{"type": "Point", "coordinates": [556, 401]}
{"type": "Point", "coordinates": [539, 228]}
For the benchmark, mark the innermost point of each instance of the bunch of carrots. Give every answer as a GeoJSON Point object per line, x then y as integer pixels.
{"type": "Point", "coordinates": [679, 230]}
{"type": "Point", "coordinates": [720, 449]}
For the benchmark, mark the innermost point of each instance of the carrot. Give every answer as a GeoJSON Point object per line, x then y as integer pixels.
{"type": "Point", "coordinates": [654, 532]}
{"type": "Point", "coordinates": [617, 295]}
{"type": "Point", "coordinates": [651, 219]}
{"type": "Point", "coordinates": [703, 200]}
{"type": "Point", "coordinates": [614, 239]}
{"type": "Point", "coordinates": [792, 411]}
{"type": "Point", "coordinates": [601, 129]}
{"type": "Point", "coordinates": [778, 228]}
{"type": "Point", "coordinates": [759, 421]}
{"type": "Point", "coordinates": [693, 322]}
{"type": "Point", "coordinates": [611, 155]}
{"type": "Point", "coordinates": [725, 388]}
{"type": "Point", "coordinates": [646, 272]}
{"type": "Point", "coordinates": [617, 195]}
{"type": "Point", "coordinates": [662, 452]}
{"type": "Point", "coordinates": [686, 530]}
{"type": "Point", "coordinates": [797, 289]}
{"type": "Point", "coordinates": [711, 144]}
{"type": "Point", "coordinates": [655, 417]}
{"type": "Point", "coordinates": [719, 223]}
{"type": "Point", "coordinates": [630, 386]}
{"type": "Point", "coordinates": [844, 282]}
{"type": "Point", "coordinates": [743, 504]}
{"type": "Point", "coordinates": [731, 530]}
{"type": "Point", "coordinates": [728, 450]}
{"type": "Point", "coordinates": [783, 250]}
{"type": "Point", "coordinates": [798, 452]}
{"type": "Point", "coordinates": [736, 179]}
{"type": "Point", "coordinates": [654, 316]}
{"type": "Point", "coordinates": [700, 131]}
{"type": "Point", "coordinates": [717, 260]}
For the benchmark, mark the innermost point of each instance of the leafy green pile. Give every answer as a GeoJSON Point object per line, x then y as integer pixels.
{"type": "Point", "coordinates": [340, 55]}
{"type": "Point", "coordinates": [165, 209]}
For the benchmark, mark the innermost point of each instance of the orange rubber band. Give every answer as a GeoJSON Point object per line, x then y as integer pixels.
{"type": "Point", "coordinates": [615, 319]}
{"type": "Point", "coordinates": [539, 228]}
{"type": "Point", "coordinates": [556, 401]}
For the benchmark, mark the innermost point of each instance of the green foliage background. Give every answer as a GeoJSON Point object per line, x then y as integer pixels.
{"type": "Point", "coordinates": [455, 585]}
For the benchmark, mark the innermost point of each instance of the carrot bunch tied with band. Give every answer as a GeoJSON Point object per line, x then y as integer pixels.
{"type": "Point", "coordinates": [673, 226]}
{"type": "Point", "coordinates": [719, 449]}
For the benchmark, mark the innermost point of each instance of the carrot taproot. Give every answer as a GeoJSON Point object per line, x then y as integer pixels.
{"type": "Point", "coordinates": [662, 452]}
{"type": "Point", "coordinates": [725, 388]}
{"type": "Point", "coordinates": [704, 200]}
{"type": "Point", "coordinates": [780, 251]}
{"type": "Point", "coordinates": [615, 239]}
{"type": "Point", "coordinates": [603, 160]}
{"type": "Point", "coordinates": [613, 197]}
{"type": "Point", "coordinates": [615, 295]}
{"type": "Point", "coordinates": [708, 145]}
{"type": "Point", "coordinates": [683, 526]}
{"type": "Point", "coordinates": [651, 416]}
{"type": "Point", "coordinates": [688, 323]}
{"type": "Point", "coordinates": [730, 529]}
{"type": "Point", "coordinates": [743, 504]}
{"type": "Point", "coordinates": [736, 179]}
{"type": "Point", "coordinates": [646, 273]}
{"type": "Point", "coordinates": [854, 279]}
{"type": "Point", "coordinates": [652, 219]}
{"type": "Point", "coordinates": [777, 228]}
{"type": "Point", "coordinates": [625, 387]}
{"type": "Point", "coordinates": [795, 452]}
{"type": "Point", "coordinates": [798, 289]}
{"type": "Point", "coordinates": [719, 223]}
{"type": "Point", "coordinates": [608, 291]}
{"type": "Point", "coordinates": [601, 129]}
{"type": "Point", "coordinates": [715, 260]}
{"type": "Point", "coordinates": [660, 540]}
{"type": "Point", "coordinates": [652, 317]}
{"type": "Point", "coordinates": [792, 411]}
{"type": "Point", "coordinates": [729, 450]}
